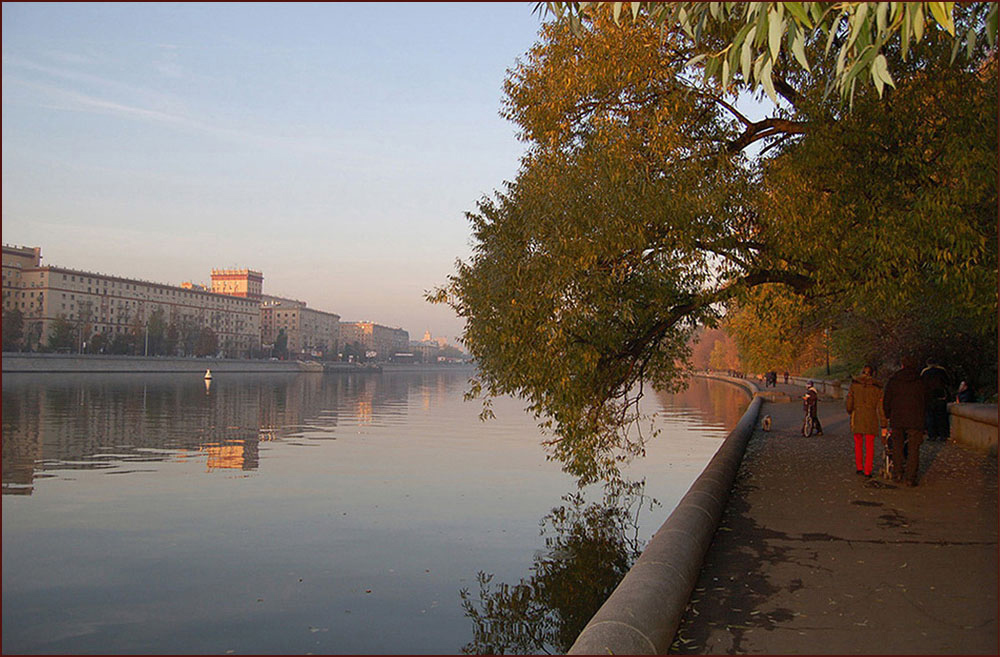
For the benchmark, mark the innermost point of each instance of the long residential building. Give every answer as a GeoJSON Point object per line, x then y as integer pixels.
{"type": "Point", "coordinates": [385, 341]}
{"type": "Point", "coordinates": [109, 305]}
{"type": "Point", "coordinates": [309, 331]}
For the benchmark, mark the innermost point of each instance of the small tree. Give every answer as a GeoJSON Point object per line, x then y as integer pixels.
{"type": "Point", "coordinates": [97, 344]}
{"type": "Point", "coordinates": [13, 329]}
{"type": "Point", "coordinates": [281, 345]}
{"type": "Point", "coordinates": [62, 334]}
{"type": "Point", "coordinates": [207, 344]}
{"type": "Point", "coordinates": [120, 344]}
{"type": "Point", "coordinates": [157, 330]}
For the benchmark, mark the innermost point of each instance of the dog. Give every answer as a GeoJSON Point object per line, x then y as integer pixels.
{"type": "Point", "coordinates": [766, 423]}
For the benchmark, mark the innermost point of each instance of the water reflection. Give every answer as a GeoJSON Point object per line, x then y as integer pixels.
{"type": "Point", "coordinates": [714, 403]}
{"type": "Point", "coordinates": [588, 549]}
{"type": "Point", "coordinates": [294, 514]}
{"type": "Point", "coordinates": [66, 422]}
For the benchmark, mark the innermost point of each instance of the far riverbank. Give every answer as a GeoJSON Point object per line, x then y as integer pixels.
{"type": "Point", "coordinates": [36, 363]}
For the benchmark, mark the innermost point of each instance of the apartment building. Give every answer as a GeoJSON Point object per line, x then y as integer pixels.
{"type": "Point", "coordinates": [309, 331]}
{"type": "Point", "coordinates": [385, 341]}
{"type": "Point", "coordinates": [238, 283]}
{"type": "Point", "coordinates": [107, 304]}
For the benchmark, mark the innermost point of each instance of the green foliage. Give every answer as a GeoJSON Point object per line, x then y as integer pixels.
{"type": "Point", "coordinates": [156, 329]}
{"type": "Point", "coordinates": [623, 230]}
{"type": "Point", "coordinates": [122, 343]}
{"type": "Point", "coordinates": [207, 344]}
{"type": "Point", "coordinates": [635, 218]}
{"type": "Point", "coordinates": [893, 207]}
{"type": "Point", "coordinates": [777, 330]}
{"type": "Point", "coordinates": [746, 41]}
{"type": "Point", "coordinates": [97, 343]}
{"type": "Point", "coordinates": [62, 335]}
{"type": "Point", "coordinates": [281, 344]}
{"type": "Point", "coordinates": [13, 329]}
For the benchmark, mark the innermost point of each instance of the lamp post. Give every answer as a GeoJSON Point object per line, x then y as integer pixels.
{"type": "Point", "coordinates": [826, 333]}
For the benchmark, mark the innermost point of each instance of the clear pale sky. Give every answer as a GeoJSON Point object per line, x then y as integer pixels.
{"type": "Point", "coordinates": [335, 147]}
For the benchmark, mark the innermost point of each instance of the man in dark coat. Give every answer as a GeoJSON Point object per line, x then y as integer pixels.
{"type": "Point", "coordinates": [936, 379]}
{"type": "Point", "coordinates": [905, 405]}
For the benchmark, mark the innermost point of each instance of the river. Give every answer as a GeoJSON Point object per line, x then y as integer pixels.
{"type": "Point", "coordinates": [310, 513]}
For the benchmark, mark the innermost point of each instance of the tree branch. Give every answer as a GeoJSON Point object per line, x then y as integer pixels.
{"type": "Point", "coordinates": [766, 128]}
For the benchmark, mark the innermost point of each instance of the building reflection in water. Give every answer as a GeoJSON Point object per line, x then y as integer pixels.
{"type": "Point", "coordinates": [62, 422]}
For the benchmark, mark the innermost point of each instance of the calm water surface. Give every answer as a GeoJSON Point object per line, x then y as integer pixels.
{"type": "Point", "coordinates": [297, 513]}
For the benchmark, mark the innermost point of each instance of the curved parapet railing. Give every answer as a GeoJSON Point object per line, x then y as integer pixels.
{"type": "Point", "coordinates": [836, 389]}
{"type": "Point", "coordinates": [643, 613]}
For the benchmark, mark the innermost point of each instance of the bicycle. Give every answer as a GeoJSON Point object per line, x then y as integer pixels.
{"type": "Point", "coordinates": [808, 421]}
{"type": "Point", "coordinates": [808, 425]}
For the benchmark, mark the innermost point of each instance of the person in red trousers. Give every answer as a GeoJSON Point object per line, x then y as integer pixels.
{"type": "Point", "coordinates": [864, 404]}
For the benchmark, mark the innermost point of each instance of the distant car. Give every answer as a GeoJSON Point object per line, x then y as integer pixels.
{"type": "Point", "coordinates": [273, 358]}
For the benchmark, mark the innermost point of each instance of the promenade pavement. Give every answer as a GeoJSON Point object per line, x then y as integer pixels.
{"type": "Point", "coordinates": [812, 558]}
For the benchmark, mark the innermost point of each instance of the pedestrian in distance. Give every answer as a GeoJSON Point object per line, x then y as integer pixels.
{"type": "Point", "coordinates": [905, 405]}
{"type": "Point", "coordinates": [864, 404]}
{"type": "Point", "coordinates": [936, 415]}
{"type": "Point", "coordinates": [966, 394]}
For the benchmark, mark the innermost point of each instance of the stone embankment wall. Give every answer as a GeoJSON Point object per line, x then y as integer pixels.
{"type": "Point", "coordinates": [974, 425]}
{"type": "Point", "coordinates": [642, 614]}
{"type": "Point", "coordinates": [16, 362]}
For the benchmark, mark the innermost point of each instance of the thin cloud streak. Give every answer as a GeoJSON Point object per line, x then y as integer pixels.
{"type": "Point", "coordinates": [81, 102]}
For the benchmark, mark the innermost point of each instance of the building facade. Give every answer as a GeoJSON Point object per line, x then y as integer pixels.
{"type": "Point", "coordinates": [384, 341]}
{"type": "Point", "coordinates": [245, 283]}
{"type": "Point", "coordinates": [309, 331]}
{"type": "Point", "coordinates": [110, 305]}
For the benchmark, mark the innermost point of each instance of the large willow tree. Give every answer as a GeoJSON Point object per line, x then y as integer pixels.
{"type": "Point", "coordinates": [636, 215]}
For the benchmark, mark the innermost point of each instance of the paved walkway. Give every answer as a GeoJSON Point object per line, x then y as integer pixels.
{"type": "Point", "coordinates": [812, 558]}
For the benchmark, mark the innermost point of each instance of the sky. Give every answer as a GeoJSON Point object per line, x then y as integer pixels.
{"type": "Point", "coordinates": [334, 147]}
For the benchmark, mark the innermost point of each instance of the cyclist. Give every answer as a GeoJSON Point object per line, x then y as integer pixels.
{"type": "Point", "coordinates": [810, 401]}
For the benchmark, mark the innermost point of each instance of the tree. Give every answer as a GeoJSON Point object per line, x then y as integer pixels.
{"type": "Point", "coordinates": [724, 356]}
{"type": "Point", "coordinates": [207, 344]}
{"type": "Point", "coordinates": [776, 330]}
{"type": "Point", "coordinates": [172, 338]}
{"type": "Point", "coordinates": [636, 218]}
{"type": "Point", "coordinates": [97, 344]}
{"type": "Point", "coordinates": [156, 329]}
{"type": "Point", "coordinates": [137, 335]}
{"type": "Point", "coordinates": [746, 39]}
{"type": "Point", "coordinates": [13, 329]}
{"type": "Point", "coordinates": [62, 334]}
{"type": "Point", "coordinates": [121, 344]}
{"type": "Point", "coordinates": [354, 351]}
{"type": "Point", "coordinates": [84, 325]}
{"type": "Point", "coordinates": [189, 330]}
{"type": "Point", "coordinates": [281, 344]}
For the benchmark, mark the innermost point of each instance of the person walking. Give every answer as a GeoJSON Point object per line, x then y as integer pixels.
{"type": "Point", "coordinates": [810, 402]}
{"type": "Point", "coordinates": [904, 404]}
{"type": "Point", "coordinates": [864, 404]}
{"type": "Point", "coordinates": [936, 415]}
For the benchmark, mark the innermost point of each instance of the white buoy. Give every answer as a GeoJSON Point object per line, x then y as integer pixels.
{"type": "Point", "coordinates": [208, 375]}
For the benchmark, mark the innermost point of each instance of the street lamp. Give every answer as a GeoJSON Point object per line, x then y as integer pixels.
{"type": "Point", "coordinates": [826, 333]}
